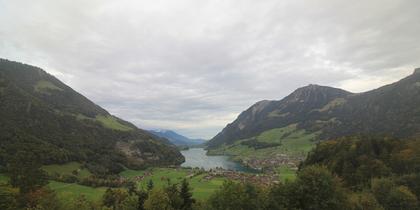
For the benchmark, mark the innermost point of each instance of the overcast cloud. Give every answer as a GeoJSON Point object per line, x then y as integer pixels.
{"type": "Point", "coordinates": [193, 66]}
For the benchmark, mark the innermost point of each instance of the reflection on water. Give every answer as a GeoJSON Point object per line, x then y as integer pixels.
{"type": "Point", "coordinates": [196, 157]}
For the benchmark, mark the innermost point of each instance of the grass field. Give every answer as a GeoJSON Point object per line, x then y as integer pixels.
{"type": "Point", "coordinates": [293, 142]}
{"type": "Point", "coordinates": [286, 174]}
{"type": "Point", "coordinates": [67, 169]}
{"type": "Point", "coordinates": [67, 192]}
{"type": "Point", "coordinates": [112, 123]}
{"type": "Point", "coordinates": [44, 85]}
{"type": "Point", "coordinates": [3, 179]}
{"type": "Point", "coordinates": [107, 121]}
{"type": "Point", "coordinates": [202, 189]}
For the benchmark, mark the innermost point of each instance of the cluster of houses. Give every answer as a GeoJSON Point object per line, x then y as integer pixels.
{"type": "Point", "coordinates": [274, 162]}
{"type": "Point", "coordinates": [142, 177]}
{"type": "Point", "coordinates": [258, 179]}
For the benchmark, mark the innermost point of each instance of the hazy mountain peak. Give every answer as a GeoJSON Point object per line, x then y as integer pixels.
{"type": "Point", "coordinates": [176, 138]}
{"type": "Point", "coordinates": [417, 71]}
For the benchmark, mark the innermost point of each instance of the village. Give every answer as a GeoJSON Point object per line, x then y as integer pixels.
{"type": "Point", "coordinates": [268, 164]}
{"type": "Point", "coordinates": [263, 172]}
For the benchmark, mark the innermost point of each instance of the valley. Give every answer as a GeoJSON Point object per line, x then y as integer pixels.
{"type": "Point", "coordinates": [61, 148]}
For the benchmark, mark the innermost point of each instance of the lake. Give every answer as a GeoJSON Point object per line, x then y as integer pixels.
{"type": "Point", "coordinates": [196, 157]}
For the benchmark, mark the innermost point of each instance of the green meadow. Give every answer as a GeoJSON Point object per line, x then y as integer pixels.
{"type": "Point", "coordinates": [291, 141]}
{"type": "Point", "coordinates": [112, 123]}
{"type": "Point", "coordinates": [67, 169]}
{"type": "Point", "coordinates": [286, 174]}
{"type": "Point", "coordinates": [69, 191]}
{"type": "Point", "coordinates": [202, 188]}
{"type": "Point", "coordinates": [3, 179]}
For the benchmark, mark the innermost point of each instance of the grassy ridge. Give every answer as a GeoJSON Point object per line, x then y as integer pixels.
{"type": "Point", "coordinates": [291, 141]}
{"type": "Point", "coordinates": [43, 86]}
{"type": "Point", "coordinates": [112, 123]}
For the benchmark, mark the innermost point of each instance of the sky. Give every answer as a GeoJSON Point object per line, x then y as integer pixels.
{"type": "Point", "coordinates": [193, 66]}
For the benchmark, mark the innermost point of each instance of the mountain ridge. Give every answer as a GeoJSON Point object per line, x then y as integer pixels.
{"type": "Point", "coordinates": [39, 113]}
{"type": "Point", "coordinates": [177, 138]}
{"type": "Point", "coordinates": [278, 113]}
{"type": "Point", "coordinates": [334, 112]}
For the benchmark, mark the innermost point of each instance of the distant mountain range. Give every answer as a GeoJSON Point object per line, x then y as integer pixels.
{"type": "Point", "coordinates": [176, 138]}
{"type": "Point", "coordinates": [326, 113]}
{"type": "Point", "coordinates": [40, 114]}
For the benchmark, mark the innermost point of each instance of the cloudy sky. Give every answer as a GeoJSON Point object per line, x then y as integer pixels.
{"type": "Point", "coordinates": [193, 66]}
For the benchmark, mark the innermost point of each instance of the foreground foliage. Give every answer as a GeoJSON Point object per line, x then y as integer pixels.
{"type": "Point", "coordinates": [355, 173]}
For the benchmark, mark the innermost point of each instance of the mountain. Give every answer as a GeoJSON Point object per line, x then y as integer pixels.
{"type": "Point", "coordinates": [176, 138]}
{"type": "Point", "coordinates": [40, 114]}
{"type": "Point", "coordinates": [265, 115]}
{"type": "Point", "coordinates": [315, 113]}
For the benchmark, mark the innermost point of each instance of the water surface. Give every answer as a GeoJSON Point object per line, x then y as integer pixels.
{"type": "Point", "coordinates": [196, 157]}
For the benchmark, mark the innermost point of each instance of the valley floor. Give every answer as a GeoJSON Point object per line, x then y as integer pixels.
{"type": "Point", "coordinates": [203, 183]}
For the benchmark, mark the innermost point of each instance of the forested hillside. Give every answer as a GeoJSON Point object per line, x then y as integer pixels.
{"type": "Point", "coordinates": [315, 113]}
{"type": "Point", "coordinates": [41, 115]}
{"type": "Point", "coordinates": [392, 109]}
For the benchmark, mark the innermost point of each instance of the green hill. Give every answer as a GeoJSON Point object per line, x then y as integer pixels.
{"type": "Point", "coordinates": [39, 113]}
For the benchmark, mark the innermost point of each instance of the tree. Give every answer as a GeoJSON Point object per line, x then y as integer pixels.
{"type": "Point", "coordinates": [150, 185]}
{"type": "Point", "coordinates": [236, 196]}
{"type": "Point", "coordinates": [132, 188]}
{"type": "Point", "coordinates": [129, 203]}
{"type": "Point", "coordinates": [381, 189]}
{"type": "Point", "coordinates": [173, 194]}
{"type": "Point", "coordinates": [114, 197]}
{"type": "Point", "coordinates": [8, 197]}
{"type": "Point", "coordinates": [108, 199]}
{"type": "Point", "coordinates": [141, 198]}
{"type": "Point", "coordinates": [186, 195]}
{"type": "Point", "coordinates": [401, 198]}
{"type": "Point", "coordinates": [80, 203]}
{"type": "Point", "coordinates": [315, 188]}
{"type": "Point", "coordinates": [25, 172]}
{"type": "Point", "coordinates": [362, 201]}
{"type": "Point", "coordinates": [158, 200]}
{"type": "Point", "coordinates": [278, 196]}
{"type": "Point", "coordinates": [43, 199]}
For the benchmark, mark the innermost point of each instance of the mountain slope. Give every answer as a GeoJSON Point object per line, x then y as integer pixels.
{"type": "Point", "coordinates": [266, 115]}
{"type": "Point", "coordinates": [321, 113]}
{"type": "Point", "coordinates": [39, 113]}
{"type": "Point", "coordinates": [176, 138]}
